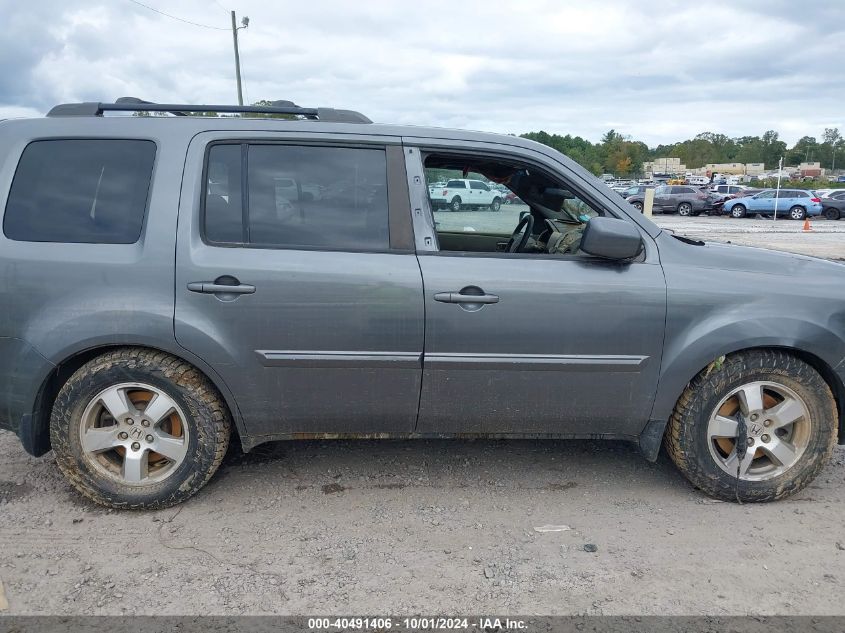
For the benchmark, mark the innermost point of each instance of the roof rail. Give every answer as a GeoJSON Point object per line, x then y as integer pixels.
{"type": "Point", "coordinates": [133, 104]}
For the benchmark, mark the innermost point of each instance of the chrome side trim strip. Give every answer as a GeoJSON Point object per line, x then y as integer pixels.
{"type": "Point", "coordinates": [339, 359]}
{"type": "Point", "coordinates": [537, 362]}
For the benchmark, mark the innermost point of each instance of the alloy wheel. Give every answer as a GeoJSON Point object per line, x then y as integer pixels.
{"type": "Point", "coordinates": [134, 433]}
{"type": "Point", "coordinates": [778, 427]}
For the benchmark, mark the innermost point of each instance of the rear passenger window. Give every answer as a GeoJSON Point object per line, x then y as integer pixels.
{"type": "Point", "coordinates": [80, 191]}
{"type": "Point", "coordinates": [298, 197]}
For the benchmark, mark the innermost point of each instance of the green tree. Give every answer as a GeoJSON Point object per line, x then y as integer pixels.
{"type": "Point", "coordinates": [806, 149]}
{"type": "Point", "coordinates": [832, 143]}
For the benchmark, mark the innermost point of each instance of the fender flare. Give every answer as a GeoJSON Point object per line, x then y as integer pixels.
{"type": "Point", "coordinates": [682, 361]}
{"type": "Point", "coordinates": [34, 429]}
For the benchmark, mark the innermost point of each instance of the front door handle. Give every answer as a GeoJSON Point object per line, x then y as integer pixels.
{"type": "Point", "coordinates": [212, 288]}
{"type": "Point", "coordinates": [460, 297]}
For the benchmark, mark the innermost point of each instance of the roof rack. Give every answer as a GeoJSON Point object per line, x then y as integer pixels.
{"type": "Point", "coordinates": [133, 104]}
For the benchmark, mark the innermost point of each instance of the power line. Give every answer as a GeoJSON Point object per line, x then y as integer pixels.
{"type": "Point", "coordinates": [221, 6]}
{"type": "Point", "coordinates": [173, 17]}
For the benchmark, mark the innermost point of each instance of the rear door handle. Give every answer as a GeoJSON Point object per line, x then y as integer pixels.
{"type": "Point", "coordinates": [211, 288]}
{"type": "Point", "coordinates": [457, 297]}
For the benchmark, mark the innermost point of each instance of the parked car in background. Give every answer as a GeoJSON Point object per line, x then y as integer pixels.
{"type": "Point", "coordinates": [465, 193]}
{"type": "Point", "coordinates": [681, 199]}
{"type": "Point", "coordinates": [698, 180]}
{"type": "Point", "coordinates": [632, 191]}
{"type": "Point", "coordinates": [512, 198]}
{"type": "Point", "coordinates": [796, 204]}
{"type": "Point", "coordinates": [728, 189]}
{"type": "Point", "coordinates": [824, 193]}
{"type": "Point", "coordinates": [833, 206]}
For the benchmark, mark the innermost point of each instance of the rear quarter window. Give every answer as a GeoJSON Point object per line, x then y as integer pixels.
{"type": "Point", "coordinates": [80, 191]}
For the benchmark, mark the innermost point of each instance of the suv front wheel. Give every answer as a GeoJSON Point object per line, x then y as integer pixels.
{"type": "Point", "coordinates": [788, 416]}
{"type": "Point", "coordinates": [137, 428]}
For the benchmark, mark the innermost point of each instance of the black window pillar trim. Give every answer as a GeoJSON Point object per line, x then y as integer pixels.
{"type": "Point", "coordinates": [244, 193]}
{"type": "Point", "coordinates": [399, 221]}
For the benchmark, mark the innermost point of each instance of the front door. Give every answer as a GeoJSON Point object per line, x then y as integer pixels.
{"type": "Point", "coordinates": [296, 280]}
{"type": "Point", "coordinates": [532, 342]}
{"type": "Point", "coordinates": [762, 202]}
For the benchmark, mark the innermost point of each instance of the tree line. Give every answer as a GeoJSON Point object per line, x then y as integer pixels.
{"type": "Point", "coordinates": [621, 155]}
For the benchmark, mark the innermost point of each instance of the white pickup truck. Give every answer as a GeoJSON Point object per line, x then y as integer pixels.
{"type": "Point", "coordinates": [464, 193]}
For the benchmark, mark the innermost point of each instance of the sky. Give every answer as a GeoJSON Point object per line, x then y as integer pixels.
{"type": "Point", "coordinates": [657, 71]}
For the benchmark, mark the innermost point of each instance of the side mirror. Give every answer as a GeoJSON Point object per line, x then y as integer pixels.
{"type": "Point", "coordinates": [611, 238]}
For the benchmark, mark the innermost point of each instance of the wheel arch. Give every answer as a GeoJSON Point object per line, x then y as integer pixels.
{"type": "Point", "coordinates": [651, 437]}
{"type": "Point", "coordinates": [35, 428]}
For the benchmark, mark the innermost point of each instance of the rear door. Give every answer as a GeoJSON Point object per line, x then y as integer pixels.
{"type": "Point", "coordinates": [662, 197]}
{"type": "Point", "coordinates": [781, 201]}
{"type": "Point", "coordinates": [297, 281]}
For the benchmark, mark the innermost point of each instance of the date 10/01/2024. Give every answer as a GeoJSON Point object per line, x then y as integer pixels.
{"type": "Point", "coordinates": [416, 623]}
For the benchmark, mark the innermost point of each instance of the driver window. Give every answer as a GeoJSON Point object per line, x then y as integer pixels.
{"type": "Point", "coordinates": [483, 205]}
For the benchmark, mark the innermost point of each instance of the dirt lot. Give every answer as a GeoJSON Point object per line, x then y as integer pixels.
{"type": "Point", "coordinates": [433, 527]}
{"type": "Point", "coordinates": [825, 239]}
{"type": "Point", "coordinates": [423, 526]}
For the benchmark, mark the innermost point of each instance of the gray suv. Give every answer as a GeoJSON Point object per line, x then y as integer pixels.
{"type": "Point", "coordinates": [172, 282]}
{"type": "Point", "coordinates": [684, 200]}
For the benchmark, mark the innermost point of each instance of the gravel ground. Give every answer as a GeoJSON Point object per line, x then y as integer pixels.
{"type": "Point", "coordinates": [434, 526]}
{"type": "Point", "coordinates": [825, 239]}
{"type": "Point", "coordinates": [423, 526]}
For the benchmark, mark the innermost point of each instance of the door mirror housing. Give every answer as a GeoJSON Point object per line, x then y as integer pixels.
{"type": "Point", "coordinates": [611, 238]}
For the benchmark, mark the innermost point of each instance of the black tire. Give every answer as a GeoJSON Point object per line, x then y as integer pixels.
{"type": "Point", "coordinates": [455, 204]}
{"type": "Point", "coordinates": [496, 205]}
{"type": "Point", "coordinates": [685, 209]}
{"type": "Point", "coordinates": [832, 213]}
{"type": "Point", "coordinates": [638, 205]}
{"type": "Point", "coordinates": [738, 211]}
{"type": "Point", "coordinates": [687, 441]}
{"type": "Point", "coordinates": [797, 213]}
{"type": "Point", "coordinates": [207, 419]}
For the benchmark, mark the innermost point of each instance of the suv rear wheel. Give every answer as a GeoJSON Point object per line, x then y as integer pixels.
{"type": "Point", "coordinates": [685, 209]}
{"type": "Point", "coordinates": [831, 213]}
{"type": "Point", "coordinates": [738, 211]}
{"type": "Point", "coordinates": [790, 423]}
{"type": "Point", "coordinates": [136, 428]}
{"type": "Point", "coordinates": [797, 212]}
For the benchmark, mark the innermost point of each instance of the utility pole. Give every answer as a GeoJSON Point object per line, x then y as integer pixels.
{"type": "Point", "coordinates": [235, 28]}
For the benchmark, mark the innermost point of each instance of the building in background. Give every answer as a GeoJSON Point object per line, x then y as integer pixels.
{"type": "Point", "coordinates": [668, 166]}
{"type": "Point", "coordinates": [810, 170]}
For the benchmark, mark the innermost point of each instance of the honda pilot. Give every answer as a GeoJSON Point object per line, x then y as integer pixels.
{"type": "Point", "coordinates": [170, 284]}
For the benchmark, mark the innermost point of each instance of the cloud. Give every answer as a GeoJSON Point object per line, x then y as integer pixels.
{"type": "Point", "coordinates": [657, 73]}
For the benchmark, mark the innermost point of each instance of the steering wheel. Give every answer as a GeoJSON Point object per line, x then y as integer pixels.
{"type": "Point", "coordinates": [517, 243]}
